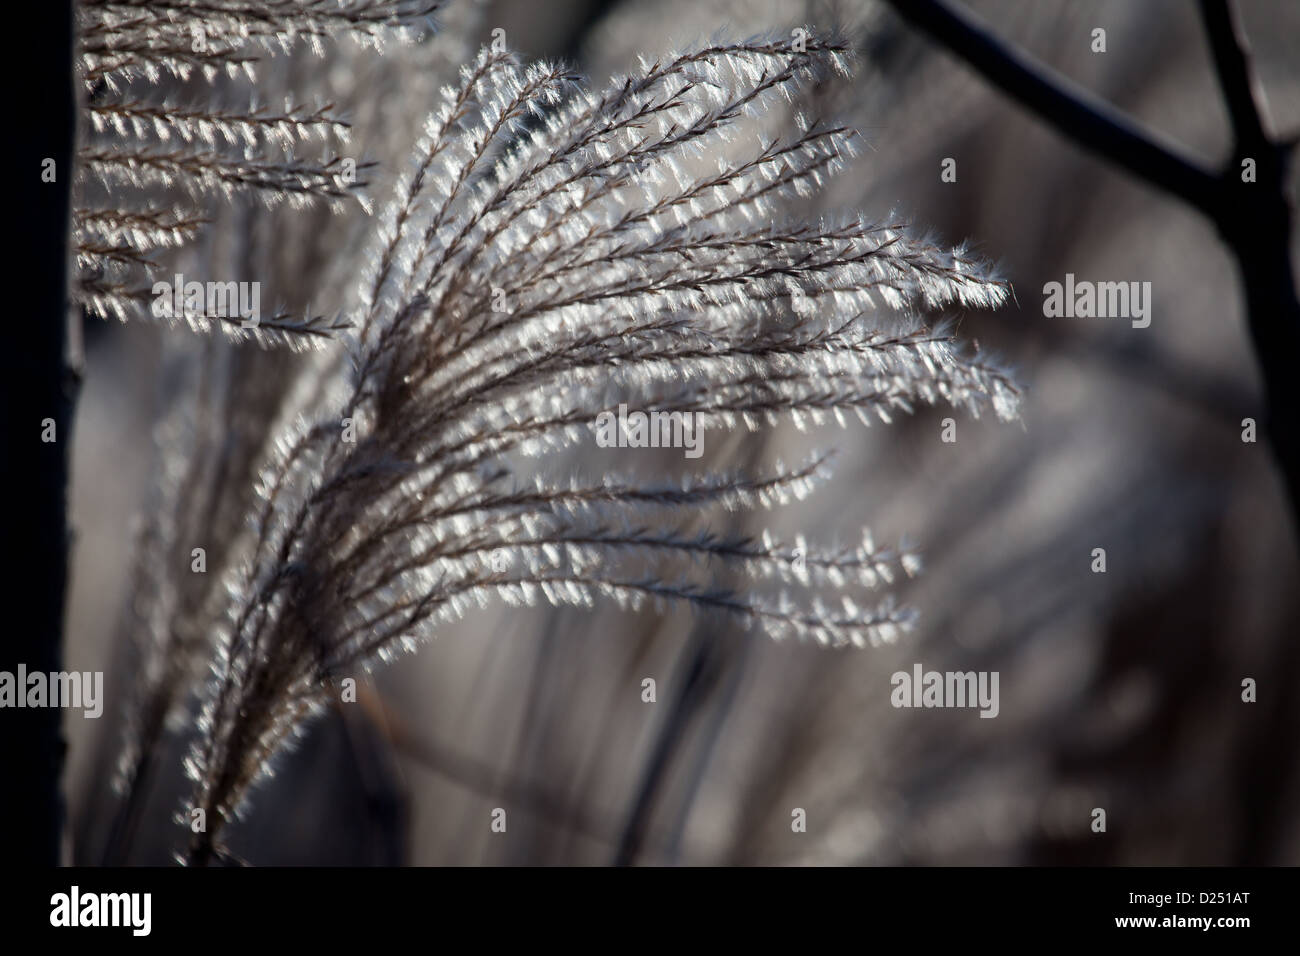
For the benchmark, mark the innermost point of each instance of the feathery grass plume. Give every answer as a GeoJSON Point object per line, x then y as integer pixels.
{"type": "Point", "coordinates": [550, 252]}
{"type": "Point", "coordinates": [140, 144]}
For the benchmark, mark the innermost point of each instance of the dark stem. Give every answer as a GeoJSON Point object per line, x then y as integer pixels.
{"type": "Point", "coordinates": [42, 386]}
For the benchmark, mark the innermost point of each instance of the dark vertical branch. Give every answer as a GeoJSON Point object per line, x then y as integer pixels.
{"type": "Point", "coordinates": [1255, 220]}
{"type": "Point", "coordinates": [1232, 64]}
{"type": "Point", "coordinates": [43, 387]}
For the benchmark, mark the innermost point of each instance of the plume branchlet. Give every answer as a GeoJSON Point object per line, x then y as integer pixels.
{"type": "Point", "coordinates": [140, 143]}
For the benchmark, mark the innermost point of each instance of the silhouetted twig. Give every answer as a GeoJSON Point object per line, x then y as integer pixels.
{"type": "Point", "coordinates": [1254, 218]}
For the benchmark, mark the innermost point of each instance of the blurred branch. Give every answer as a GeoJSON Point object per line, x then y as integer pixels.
{"type": "Point", "coordinates": [481, 777]}
{"type": "Point", "coordinates": [387, 817]}
{"type": "Point", "coordinates": [1067, 107]}
{"type": "Point", "coordinates": [584, 20]}
{"type": "Point", "coordinates": [1253, 218]}
{"type": "Point", "coordinates": [703, 660]}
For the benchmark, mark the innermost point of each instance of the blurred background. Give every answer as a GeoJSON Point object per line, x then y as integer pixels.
{"type": "Point", "coordinates": [1120, 690]}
